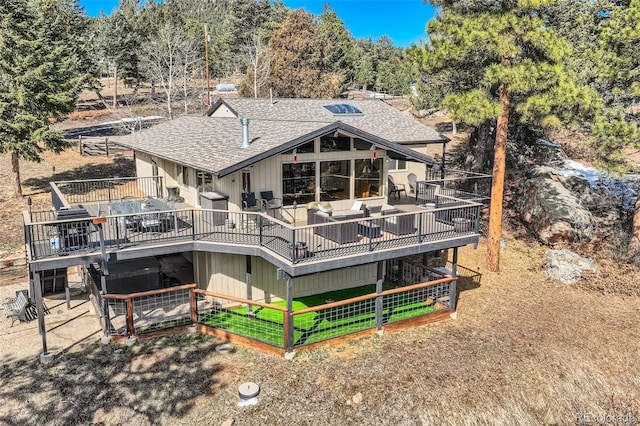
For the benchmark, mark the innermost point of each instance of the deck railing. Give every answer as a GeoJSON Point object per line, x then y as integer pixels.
{"type": "Point", "coordinates": [49, 238]}
{"type": "Point", "coordinates": [162, 310]}
{"type": "Point", "coordinates": [275, 326]}
{"type": "Point", "coordinates": [74, 192]}
{"type": "Point", "coordinates": [150, 311]}
{"type": "Point", "coordinates": [459, 184]}
{"type": "Point", "coordinates": [251, 319]}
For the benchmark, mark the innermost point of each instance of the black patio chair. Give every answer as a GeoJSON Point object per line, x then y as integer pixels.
{"type": "Point", "coordinates": [250, 204]}
{"type": "Point", "coordinates": [396, 188]}
{"type": "Point", "coordinates": [269, 202]}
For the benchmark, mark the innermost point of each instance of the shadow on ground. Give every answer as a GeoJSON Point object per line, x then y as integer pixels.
{"type": "Point", "coordinates": [112, 384]}
{"type": "Point", "coordinates": [120, 167]}
{"type": "Point", "coordinates": [468, 279]}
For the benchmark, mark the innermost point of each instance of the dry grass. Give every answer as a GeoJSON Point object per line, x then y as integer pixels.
{"type": "Point", "coordinates": [523, 350]}
{"type": "Point", "coordinates": [35, 180]}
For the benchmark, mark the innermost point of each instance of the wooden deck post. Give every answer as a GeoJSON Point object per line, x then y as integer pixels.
{"type": "Point", "coordinates": [67, 294]}
{"type": "Point", "coordinates": [400, 272]}
{"type": "Point", "coordinates": [194, 306]}
{"type": "Point", "coordinates": [288, 318]}
{"type": "Point", "coordinates": [379, 304]}
{"type": "Point", "coordinates": [37, 286]}
{"type": "Point", "coordinates": [453, 291]}
{"type": "Point", "coordinates": [249, 283]}
{"type": "Point", "coordinates": [130, 329]}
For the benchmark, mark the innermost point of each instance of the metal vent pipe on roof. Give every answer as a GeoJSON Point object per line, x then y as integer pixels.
{"type": "Point", "coordinates": [245, 132]}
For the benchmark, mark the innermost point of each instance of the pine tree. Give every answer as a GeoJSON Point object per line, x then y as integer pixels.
{"type": "Point", "coordinates": [299, 60]}
{"type": "Point", "coordinates": [513, 64]}
{"type": "Point", "coordinates": [40, 78]}
{"type": "Point", "coordinates": [340, 44]}
{"type": "Point", "coordinates": [620, 42]}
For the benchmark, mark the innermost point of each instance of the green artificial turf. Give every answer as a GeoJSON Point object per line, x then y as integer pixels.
{"type": "Point", "coordinates": [266, 324]}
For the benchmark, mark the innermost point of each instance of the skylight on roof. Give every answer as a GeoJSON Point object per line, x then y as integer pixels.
{"type": "Point", "coordinates": [342, 109]}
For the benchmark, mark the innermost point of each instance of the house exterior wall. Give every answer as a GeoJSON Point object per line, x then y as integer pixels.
{"type": "Point", "coordinates": [226, 273]}
{"type": "Point", "coordinates": [169, 173]}
{"type": "Point", "coordinates": [223, 111]}
{"type": "Point", "coordinates": [267, 176]}
{"type": "Point", "coordinates": [144, 167]}
{"type": "Point", "coordinates": [400, 176]}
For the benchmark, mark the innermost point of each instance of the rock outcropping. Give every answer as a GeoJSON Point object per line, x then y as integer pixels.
{"type": "Point", "coordinates": [566, 266]}
{"type": "Point", "coordinates": [555, 213]}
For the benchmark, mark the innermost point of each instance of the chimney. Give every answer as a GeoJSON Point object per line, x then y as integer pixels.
{"type": "Point", "coordinates": [245, 132]}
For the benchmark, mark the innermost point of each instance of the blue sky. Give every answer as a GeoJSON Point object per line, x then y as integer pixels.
{"type": "Point", "coordinates": [404, 21]}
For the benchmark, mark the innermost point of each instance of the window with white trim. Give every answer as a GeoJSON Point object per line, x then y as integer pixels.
{"type": "Point", "coordinates": [396, 164]}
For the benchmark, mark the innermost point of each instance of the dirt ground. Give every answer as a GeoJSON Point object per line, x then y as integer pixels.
{"type": "Point", "coordinates": [523, 350]}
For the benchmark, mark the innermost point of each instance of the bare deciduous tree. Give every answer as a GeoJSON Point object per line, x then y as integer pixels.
{"type": "Point", "coordinates": [258, 58]}
{"type": "Point", "coordinates": [170, 58]}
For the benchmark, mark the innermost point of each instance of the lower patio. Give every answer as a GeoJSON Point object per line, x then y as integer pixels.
{"type": "Point", "coordinates": [323, 316]}
{"type": "Point", "coordinates": [284, 325]}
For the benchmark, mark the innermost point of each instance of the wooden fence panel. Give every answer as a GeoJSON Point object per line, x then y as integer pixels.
{"type": "Point", "coordinates": [100, 146]}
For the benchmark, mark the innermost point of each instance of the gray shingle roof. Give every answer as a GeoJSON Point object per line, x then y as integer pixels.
{"type": "Point", "coordinates": [379, 118]}
{"type": "Point", "coordinates": [215, 144]}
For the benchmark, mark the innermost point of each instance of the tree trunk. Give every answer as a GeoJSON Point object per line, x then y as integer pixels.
{"type": "Point", "coordinates": [497, 184]}
{"type": "Point", "coordinates": [15, 168]}
{"type": "Point", "coordinates": [115, 87]}
{"type": "Point", "coordinates": [255, 79]}
{"type": "Point", "coordinates": [634, 243]}
{"type": "Point", "coordinates": [185, 88]}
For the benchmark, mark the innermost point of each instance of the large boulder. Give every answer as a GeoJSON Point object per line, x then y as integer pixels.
{"type": "Point", "coordinates": [545, 152]}
{"type": "Point", "coordinates": [566, 266]}
{"type": "Point", "coordinates": [552, 212]}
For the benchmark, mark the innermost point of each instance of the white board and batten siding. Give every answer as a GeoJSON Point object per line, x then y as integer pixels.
{"type": "Point", "coordinates": [226, 273]}
{"type": "Point", "coordinates": [144, 168]}
{"type": "Point", "coordinates": [171, 174]}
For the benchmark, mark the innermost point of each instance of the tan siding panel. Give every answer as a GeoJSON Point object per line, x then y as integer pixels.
{"type": "Point", "coordinates": [231, 186]}
{"type": "Point", "coordinates": [334, 280]}
{"type": "Point", "coordinates": [226, 273]}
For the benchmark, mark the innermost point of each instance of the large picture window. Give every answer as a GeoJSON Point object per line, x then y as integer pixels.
{"type": "Point", "coordinates": [339, 143]}
{"type": "Point", "coordinates": [368, 181]}
{"type": "Point", "coordinates": [335, 180]}
{"type": "Point", "coordinates": [298, 183]}
{"type": "Point", "coordinates": [308, 147]}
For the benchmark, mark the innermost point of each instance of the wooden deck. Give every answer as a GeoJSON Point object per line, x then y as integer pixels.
{"type": "Point", "coordinates": [298, 250]}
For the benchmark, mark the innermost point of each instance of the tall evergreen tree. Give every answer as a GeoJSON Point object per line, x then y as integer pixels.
{"type": "Point", "coordinates": [364, 69]}
{"type": "Point", "coordinates": [620, 42]}
{"type": "Point", "coordinates": [40, 76]}
{"type": "Point", "coordinates": [299, 60]}
{"type": "Point", "coordinates": [340, 49]}
{"type": "Point", "coordinates": [517, 68]}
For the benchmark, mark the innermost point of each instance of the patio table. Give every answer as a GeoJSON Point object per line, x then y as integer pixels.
{"type": "Point", "coordinates": [141, 214]}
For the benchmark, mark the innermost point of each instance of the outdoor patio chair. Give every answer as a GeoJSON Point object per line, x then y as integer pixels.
{"type": "Point", "coordinates": [396, 188]}
{"type": "Point", "coordinates": [17, 310]}
{"type": "Point", "coordinates": [250, 204]}
{"type": "Point", "coordinates": [413, 182]}
{"type": "Point", "coordinates": [269, 202]}
{"type": "Point", "coordinates": [398, 225]}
